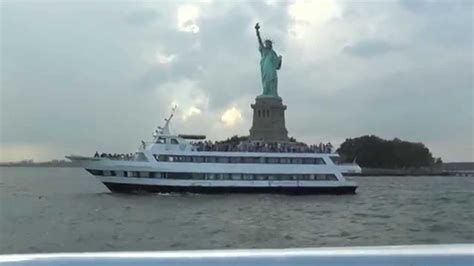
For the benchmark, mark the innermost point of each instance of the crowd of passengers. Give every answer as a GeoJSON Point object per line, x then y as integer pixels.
{"type": "Point", "coordinates": [115, 156]}
{"type": "Point", "coordinates": [248, 146]}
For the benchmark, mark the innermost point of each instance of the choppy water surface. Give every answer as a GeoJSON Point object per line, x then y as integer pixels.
{"type": "Point", "coordinates": [67, 210]}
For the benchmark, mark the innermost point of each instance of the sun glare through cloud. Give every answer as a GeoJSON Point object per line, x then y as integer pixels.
{"type": "Point", "coordinates": [231, 116]}
{"type": "Point", "coordinates": [191, 111]}
{"type": "Point", "coordinates": [310, 14]}
{"type": "Point", "coordinates": [164, 58]}
{"type": "Point", "coordinates": [187, 16]}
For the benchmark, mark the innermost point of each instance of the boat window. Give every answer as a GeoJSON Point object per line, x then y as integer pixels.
{"type": "Point", "coordinates": [273, 160]}
{"type": "Point", "coordinates": [272, 177]}
{"type": "Point", "coordinates": [96, 172]}
{"type": "Point", "coordinates": [107, 173]}
{"type": "Point", "coordinates": [174, 141]}
{"type": "Point", "coordinates": [112, 173]}
{"type": "Point", "coordinates": [122, 173]}
{"type": "Point", "coordinates": [319, 161]}
{"type": "Point", "coordinates": [235, 159]}
{"type": "Point", "coordinates": [198, 159]}
{"type": "Point", "coordinates": [139, 156]}
{"type": "Point", "coordinates": [210, 159]}
{"type": "Point", "coordinates": [250, 160]}
{"type": "Point", "coordinates": [132, 174]}
{"type": "Point", "coordinates": [335, 159]}
{"type": "Point", "coordinates": [233, 176]}
{"type": "Point", "coordinates": [236, 176]}
{"type": "Point", "coordinates": [160, 140]}
{"type": "Point", "coordinates": [186, 159]}
{"type": "Point", "coordinates": [248, 177]}
{"type": "Point", "coordinates": [211, 176]}
{"type": "Point", "coordinates": [179, 175]}
{"type": "Point", "coordinates": [223, 159]}
{"type": "Point", "coordinates": [320, 177]}
{"type": "Point", "coordinates": [296, 161]}
{"type": "Point", "coordinates": [198, 176]}
{"type": "Point", "coordinates": [162, 158]}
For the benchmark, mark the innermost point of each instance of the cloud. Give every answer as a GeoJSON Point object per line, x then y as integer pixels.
{"type": "Point", "coordinates": [369, 48]}
{"type": "Point", "coordinates": [142, 17]}
{"type": "Point", "coordinates": [114, 70]}
{"type": "Point", "coordinates": [165, 59]}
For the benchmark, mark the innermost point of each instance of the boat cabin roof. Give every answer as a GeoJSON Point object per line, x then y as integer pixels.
{"type": "Point", "coordinates": [190, 136]}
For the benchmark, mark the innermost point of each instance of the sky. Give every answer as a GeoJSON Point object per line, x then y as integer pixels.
{"type": "Point", "coordinates": [85, 76]}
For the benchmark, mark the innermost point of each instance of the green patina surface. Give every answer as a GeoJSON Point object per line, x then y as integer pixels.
{"type": "Point", "coordinates": [270, 62]}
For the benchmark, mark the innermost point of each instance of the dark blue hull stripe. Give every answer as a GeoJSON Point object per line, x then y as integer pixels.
{"type": "Point", "coordinates": [125, 188]}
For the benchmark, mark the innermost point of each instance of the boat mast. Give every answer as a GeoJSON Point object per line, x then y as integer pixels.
{"type": "Point", "coordinates": [165, 130]}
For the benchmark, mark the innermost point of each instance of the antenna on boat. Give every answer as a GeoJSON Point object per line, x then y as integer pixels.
{"type": "Point", "coordinates": [166, 129]}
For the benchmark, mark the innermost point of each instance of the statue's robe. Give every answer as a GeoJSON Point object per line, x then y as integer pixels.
{"type": "Point", "coordinates": [269, 63]}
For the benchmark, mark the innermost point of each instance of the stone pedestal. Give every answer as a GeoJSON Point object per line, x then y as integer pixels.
{"type": "Point", "coordinates": [268, 119]}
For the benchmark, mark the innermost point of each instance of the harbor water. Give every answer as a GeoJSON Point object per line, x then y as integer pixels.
{"type": "Point", "coordinates": [68, 210]}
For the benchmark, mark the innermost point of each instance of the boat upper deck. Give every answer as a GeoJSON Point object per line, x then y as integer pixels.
{"type": "Point", "coordinates": [258, 146]}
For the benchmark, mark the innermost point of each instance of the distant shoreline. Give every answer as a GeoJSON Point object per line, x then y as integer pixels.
{"type": "Point", "coordinates": [400, 172]}
{"type": "Point", "coordinates": [41, 164]}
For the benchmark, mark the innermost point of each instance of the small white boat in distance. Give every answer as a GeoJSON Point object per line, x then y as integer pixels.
{"type": "Point", "coordinates": [172, 163]}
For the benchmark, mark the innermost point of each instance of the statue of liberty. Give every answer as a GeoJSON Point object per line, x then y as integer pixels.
{"type": "Point", "coordinates": [269, 64]}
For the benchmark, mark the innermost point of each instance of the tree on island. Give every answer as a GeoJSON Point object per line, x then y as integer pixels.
{"type": "Point", "coordinates": [374, 152]}
{"type": "Point", "coordinates": [234, 140]}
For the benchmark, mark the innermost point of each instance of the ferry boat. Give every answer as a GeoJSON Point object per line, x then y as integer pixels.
{"type": "Point", "coordinates": [173, 163]}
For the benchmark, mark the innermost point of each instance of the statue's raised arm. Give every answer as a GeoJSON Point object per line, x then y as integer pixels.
{"type": "Point", "coordinates": [257, 29]}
